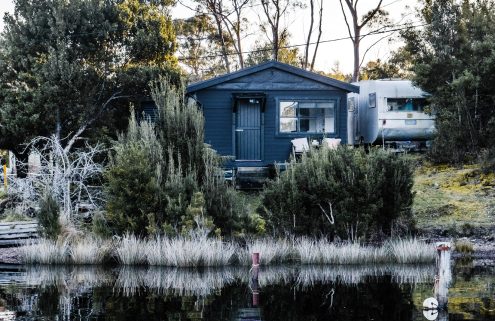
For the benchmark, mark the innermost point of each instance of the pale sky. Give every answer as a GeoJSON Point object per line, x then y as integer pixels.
{"type": "Point", "coordinates": [333, 28]}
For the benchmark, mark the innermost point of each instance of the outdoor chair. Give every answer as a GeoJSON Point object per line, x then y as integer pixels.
{"type": "Point", "coordinates": [299, 146]}
{"type": "Point", "coordinates": [331, 143]}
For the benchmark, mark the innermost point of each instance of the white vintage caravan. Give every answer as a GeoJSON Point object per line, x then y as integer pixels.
{"type": "Point", "coordinates": [388, 110]}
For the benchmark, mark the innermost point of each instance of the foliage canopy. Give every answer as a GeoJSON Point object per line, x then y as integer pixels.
{"type": "Point", "coordinates": [344, 193]}
{"type": "Point", "coordinates": [453, 59]}
{"type": "Point", "coordinates": [68, 66]}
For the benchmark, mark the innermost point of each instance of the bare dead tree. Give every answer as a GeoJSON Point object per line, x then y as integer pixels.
{"type": "Point", "coordinates": [355, 29]}
{"type": "Point", "coordinates": [68, 175]}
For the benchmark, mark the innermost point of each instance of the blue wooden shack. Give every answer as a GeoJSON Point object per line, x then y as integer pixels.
{"type": "Point", "coordinates": [253, 114]}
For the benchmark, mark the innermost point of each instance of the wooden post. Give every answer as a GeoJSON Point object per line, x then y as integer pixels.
{"type": "Point", "coordinates": [444, 276]}
{"type": "Point", "coordinates": [255, 258]}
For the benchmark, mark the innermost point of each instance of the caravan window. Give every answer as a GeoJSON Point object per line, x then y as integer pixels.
{"type": "Point", "coordinates": [406, 104]}
{"type": "Point", "coordinates": [307, 116]}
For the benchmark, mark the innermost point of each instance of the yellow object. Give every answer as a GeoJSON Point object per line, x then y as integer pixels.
{"type": "Point", "coordinates": [5, 176]}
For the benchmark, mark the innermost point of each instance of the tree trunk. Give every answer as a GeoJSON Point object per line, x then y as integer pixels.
{"type": "Point", "coordinates": [355, 74]}
{"type": "Point", "coordinates": [218, 20]}
{"type": "Point", "coordinates": [21, 160]}
{"type": "Point", "coordinates": [275, 43]}
{"type": "Point", "coordinates": [320, 31]}
{"type": "Point", "coordinates": [308, 41]}
{"type": "Point", "coordinates": [239, 47]}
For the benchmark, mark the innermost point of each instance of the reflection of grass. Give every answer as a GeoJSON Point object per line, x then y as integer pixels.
{"type": "Point", "coordinates": [447, 197]}
{"type": "Point", "coordinates": [44, 251]}
{"type": "Point", "coordinates": [130, 280]}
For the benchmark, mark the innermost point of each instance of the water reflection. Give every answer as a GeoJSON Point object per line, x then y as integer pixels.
{"type": "Point", "coordinates": [130, 280]}
{"type": "Point", "coordinates": [277, 293]}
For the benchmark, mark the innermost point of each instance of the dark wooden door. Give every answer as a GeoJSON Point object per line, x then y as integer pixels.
{"type": "Point", "coordinates": [248, 130]}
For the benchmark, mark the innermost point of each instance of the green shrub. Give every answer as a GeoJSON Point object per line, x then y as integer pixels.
{"type": "Point", "coordinates": [133, 180]}
{"type": "Point", "coordinates": [464, 246]}
{"type": "Point", "coordinates": [344, 192]}
{"type": "Point", "coordinates": [48, 216]}
{"type": "Point", "coordinates": [156, 170]}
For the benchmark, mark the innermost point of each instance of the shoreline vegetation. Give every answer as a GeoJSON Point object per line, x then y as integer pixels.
{"type": "Point", "coordinates": [199, 251]}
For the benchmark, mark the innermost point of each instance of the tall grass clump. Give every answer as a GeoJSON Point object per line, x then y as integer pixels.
{"type": "Point", "coordinates": [322, 251]}
{"type": "Point", "coordinates": [89, 250]}
{"type": "Point", "coordinates": [157, 168]}
{"type": "Point", "coordinates": [189, 251]}
{"type": "Point", "coordinates": [344, 193]}
{"type": "Point", "coordinates": [411, 251]}
{"type": "Point", "coordinates": [271, 251]}
{"type": "Point", "coordinates": [130, 250]}
{"type": "Point", "coordinates": [464, 247]}
{"type": "Point", "coordinates": [45, 251]}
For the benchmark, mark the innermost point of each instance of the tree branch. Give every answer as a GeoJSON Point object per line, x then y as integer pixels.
{"type": "Point", "coordinates": [81, 129]}
{"type": "Point", "coordinates": [371, 15]}
{"type": "Point", "coordinates": [330, 217]}
{"type": "Point", "coordinates": [346, 21]}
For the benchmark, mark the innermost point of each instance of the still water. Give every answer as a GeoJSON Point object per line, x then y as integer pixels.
{"type": "Point", "coordinates": [273, 293]}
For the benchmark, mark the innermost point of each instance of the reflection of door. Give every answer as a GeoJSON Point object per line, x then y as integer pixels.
{"type": "Point", "coordinates": [248, 130]}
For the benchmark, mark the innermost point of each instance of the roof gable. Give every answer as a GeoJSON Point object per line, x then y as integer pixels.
{"type": "Point", "coordinates": [247, 74]}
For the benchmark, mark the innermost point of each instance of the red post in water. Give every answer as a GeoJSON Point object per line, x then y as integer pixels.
{"type": "Point", "coordinates": [256, 259]}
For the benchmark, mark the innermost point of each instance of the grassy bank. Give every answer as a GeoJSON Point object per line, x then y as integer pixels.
{"type": "Point", "coordinates": [453, 201]}
{"type": "Point", "coordinates": [193, 252]}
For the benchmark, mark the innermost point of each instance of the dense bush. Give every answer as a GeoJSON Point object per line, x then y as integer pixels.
{"type": "Point", "coordinates": [48, 216]}
{"type": "Point", "coordinates": [134, 180]}
{"type": "Point", "coordinates": [156, 170]}
{"type": "Point", "coordinates": [452, 59]}
{"type": "Point", "coordinates": [344, 192]}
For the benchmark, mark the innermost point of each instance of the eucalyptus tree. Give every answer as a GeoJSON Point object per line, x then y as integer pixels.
{"type": "Point", "coordinates": [452, 58]}
{"type": "Point", "coordinates": [275, 25]}
{"type": "Point", "coordinates": [198, 46]}
{"type": "Point", "coordinates": [355, 25]}
{"type": "Point", "coordinates": [71, 68]}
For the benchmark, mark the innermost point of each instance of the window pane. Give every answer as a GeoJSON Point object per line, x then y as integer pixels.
{"type": "Point", "coordinates": [307, 116]}
{"type": "Point", "coordinates": [406, 104]}
{"type": "Point", "coordinates": [311, 112]}
{"type": "Point", "coordinates": [288, 108]}
{"type": "Point", "coordinates": [328, 104]}
{"type": "Point", "coordinates": [329, 120]}
{"type": "Point", "coordinates": [307, 105]}
{"type": "Point", "coordinates": [288, 125]}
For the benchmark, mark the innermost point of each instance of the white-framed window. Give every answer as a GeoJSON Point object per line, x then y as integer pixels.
{"type": "Point", "coordinates": [305, 116]}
